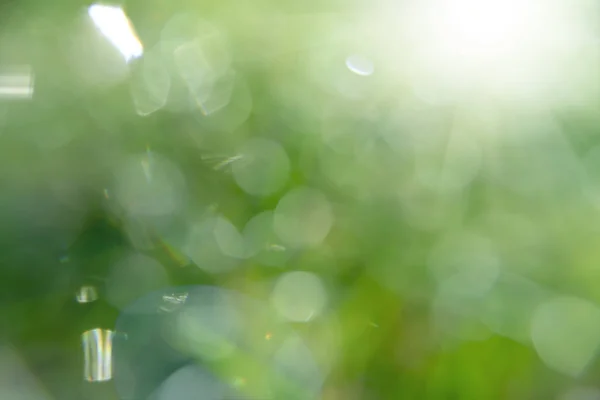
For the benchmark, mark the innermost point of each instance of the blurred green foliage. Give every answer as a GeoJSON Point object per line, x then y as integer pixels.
{"type": "Point", "coordinates": [453, 222]}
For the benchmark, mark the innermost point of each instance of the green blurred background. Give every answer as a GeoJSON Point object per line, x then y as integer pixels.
{"type": "Point", "coordinates": [419, 221]}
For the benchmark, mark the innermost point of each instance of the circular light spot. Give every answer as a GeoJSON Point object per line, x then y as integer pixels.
{"type": "Point", "coordinates": [229, 105]}
{"type": "Point", "coordinates": [262, 243]}
{"type": "Point", "coordinates": [360, 65]}
{"type": "Point", "coordinates": [228, 238]}
{"type": "Point", "coordinates": [132, 276]}
{"type": "Point", "coordinates": [184, 29]}
{"type": "Point", "coordinates": [201, 58]}
{"type": "Point", "coordinates": [150, 185]}
{"type": "Point", "coordinates": [151, 83]}
{"type": "Point", "coordinates": [195, 70]}
{"type": "Point", "coordinates": [299, 296]}
{"type": "Point", "coordinates": [303, 217]}
{"type": "Point", "coordinates": [214, 245]}
{"type": "Point", "coordinates": [188, 382]}
{"type": "Point", "coordinates": [263, 167]}
{"type": "Point", "coordinates": [257, 354]}
{"type": "Point", "coordinates": [566, 334]}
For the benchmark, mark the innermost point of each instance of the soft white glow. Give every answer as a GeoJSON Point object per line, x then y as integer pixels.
{"type": "Point", "coordinates": [482, 27]}
{"type": "Point", "coordinates": [303, 217]}
{"type": "Point", "coordinates": [470, 37]}
{"type": "Point", "coordinates": [299, 296]}
{"type": "Point", "coordinates": [112, 22]}
{"type": "Point", "coordinates": [468, 50]}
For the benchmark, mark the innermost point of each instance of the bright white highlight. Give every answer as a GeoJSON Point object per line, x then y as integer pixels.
{"type": "Point", "coordinates": [360, 65]}
{"type": "Point", "coordinates": [471, 37]}
{"type": "Point", "coordinates": [483, 28]}
{"type": "Point", "coordinates": [112, 22]}
{"type": "Point", "coordinates": [468, 50]}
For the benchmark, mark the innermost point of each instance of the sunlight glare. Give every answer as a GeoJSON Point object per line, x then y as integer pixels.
{"type": "Point", "coordinates": [112, 22]}
{"type": "Point", "coordinates": [483, 28]}
{"type": "Point", "coordinates": [462, 50]}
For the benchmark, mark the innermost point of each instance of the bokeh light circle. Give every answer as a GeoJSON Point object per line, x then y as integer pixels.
{"type": "Point", "coordinates": [303, 217]}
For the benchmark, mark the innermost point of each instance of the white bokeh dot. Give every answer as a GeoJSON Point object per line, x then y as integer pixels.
{"type": "Point", "coordinates": [299, 296]}
{"type": "Point", "coordinates": [303, 217]}
{"type": "Point", "coordinates": [261, 243]}
{"type": "Point", "coordinates": [263, 167]}
{"type": "Point", "coordinates": [229, 239]}
{"type": "Point", "coordinates": [214, 244]}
